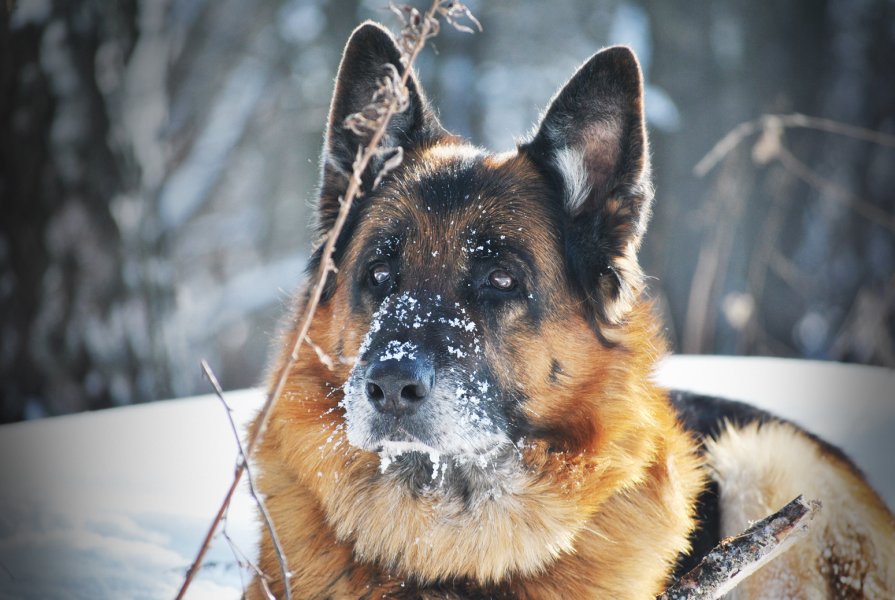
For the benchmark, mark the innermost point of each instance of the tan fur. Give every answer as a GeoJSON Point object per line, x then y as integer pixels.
{"type": "Point", "coordinates": [850, 549]}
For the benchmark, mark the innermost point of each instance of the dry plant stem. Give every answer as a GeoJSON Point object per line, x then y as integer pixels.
{"type": "Point", "coordinates": [744, 130]}
{"type": "Point", "coordinates": [714, 256]}
{"type": "Point", "coordinates": [244, 561]}
{"type": "Point", "coordinates": [322, 356]}
{"type": "Point", "coordinates": [736, 558]}
{"type": "Point", "coordinates": [250, 479]}
{"type": "Point", "coordinates": [326, 266]}
{"type": "Point", "coordinates": [845, 197]}
{"type": "Point", "coordinates": [206, 542]}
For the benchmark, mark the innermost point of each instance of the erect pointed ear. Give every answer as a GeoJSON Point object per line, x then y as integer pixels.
{"type": "Point", "coordinates": [592, 143]}
{"type": "Point", "coordinates": [365, 60]}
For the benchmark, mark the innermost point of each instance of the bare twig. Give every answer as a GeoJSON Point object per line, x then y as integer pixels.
{"type": "Point", "coordinates": [389, 99]}
{"type": "Point", "coordinates": [744, 130]}
{"type": "Point", "coordinates": [770, 146]}
{"type": "Point", "coordinates": [243, 465]}
{"type": "Point", "coordinates": [206, 541]}
{"type": "Point", "coordinates": [736, 558]}
{"type": "Point", "coordinates": [322, 356]}
{"type": "Point", "coordinates": [714, 256]}
{"type": "Point", "coordinates": [835, 191]}
{"type": "Point", "coordinates": [244, 561]}
{"type": "Point", "coordinates": [453, 11]}
{"type": "Point", "coordinates": [326, 264]}
{"type": "Point", "coordinates": [760, 259]}
{"type": "Point", "coordinates": [864, 326]}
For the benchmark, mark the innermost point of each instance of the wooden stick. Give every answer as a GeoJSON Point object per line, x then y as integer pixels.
{"type": "Point", "coordinates": [736, 558]}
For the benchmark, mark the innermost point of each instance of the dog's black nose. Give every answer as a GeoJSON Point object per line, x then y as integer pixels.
{"type": "Point", "coordinates": [398, 387]}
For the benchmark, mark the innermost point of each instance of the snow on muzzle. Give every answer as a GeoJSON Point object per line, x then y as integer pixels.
{"type": "Point", "coordinates": [421, 383]}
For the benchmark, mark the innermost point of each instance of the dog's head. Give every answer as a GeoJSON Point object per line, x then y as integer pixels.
{"type": "Point", "coordinates": [491, 357]}
{"type": "Point", "coordinates": [479, 289]}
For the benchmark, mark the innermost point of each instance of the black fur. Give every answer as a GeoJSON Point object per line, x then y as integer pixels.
{"type": "Point", "coordinates": [705, 416]}
{"type": "Point", "coordinates": [444, 193]}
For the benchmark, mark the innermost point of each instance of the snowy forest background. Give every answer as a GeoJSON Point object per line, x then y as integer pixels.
{"type": "Point", "coordinates": [158, 160]}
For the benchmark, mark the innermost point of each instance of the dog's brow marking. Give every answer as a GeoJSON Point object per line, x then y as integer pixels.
{"type": "Point", "coordinates": [453, 151]}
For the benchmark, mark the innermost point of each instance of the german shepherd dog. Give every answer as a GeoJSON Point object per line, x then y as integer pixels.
{"type": "Point", "coordinates": [490, 428]}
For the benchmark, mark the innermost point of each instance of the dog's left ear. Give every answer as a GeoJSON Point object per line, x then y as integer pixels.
{"type": "Point", "coordinates": [592, 143]}
{"type": "Point", "coordinates": [369, 55]}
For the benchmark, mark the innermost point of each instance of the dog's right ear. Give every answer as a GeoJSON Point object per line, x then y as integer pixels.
{"type": "Point", "coordinates": [364, 63]}
{"type": "Point", "coordinates": [592, 142]}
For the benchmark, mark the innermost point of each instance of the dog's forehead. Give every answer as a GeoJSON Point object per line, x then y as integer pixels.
{"type": "Point", "coordinates": [455, 201]}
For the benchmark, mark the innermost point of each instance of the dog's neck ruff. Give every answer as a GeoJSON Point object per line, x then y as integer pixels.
{"type": "Point", "coordinates": [503, 522]}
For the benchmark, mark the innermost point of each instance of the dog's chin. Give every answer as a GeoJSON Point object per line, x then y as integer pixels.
{"type": "Point", "coordinates": [410, 458]}
{"type": "Point", "coordinates": [422, 466]}
{"type": "Point", "coordinates": [392, 438]}
{"type": "Point", "coordinates": [413, 453]}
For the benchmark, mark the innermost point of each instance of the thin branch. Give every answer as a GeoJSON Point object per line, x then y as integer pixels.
{"type": "Point", "coordinates": [326, 264]}
{"type": "Point", "coordinates": [422, 28]}
{"type": "Point", "coordinates": [739, 133]}
{"type": "Point", "coordinates": [725, 145]}
{"type": "Point", "coordinates": [243, 464]}
{"type": "Point", "coordinates": [244, 561]}
{"type": "Point", "coordinates": [206, 541]}
{"type": "Point", "coordinates": [714, 256]}
{"type": "Point", "coordinates": [837, 192]}
{"type": "Point", "coordinates": [736, 558]}
{"type": "Point", "coordinates": [864, 326]}
{"type": "Point", "coordinates": [322, 356]}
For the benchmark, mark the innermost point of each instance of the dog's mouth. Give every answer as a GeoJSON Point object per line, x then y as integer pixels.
{"type": "Point", "coordinates": [410, 455]}
{"type": "Point", "coordinates": [405, 454]}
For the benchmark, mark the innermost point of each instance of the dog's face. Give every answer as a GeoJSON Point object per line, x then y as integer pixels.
{"type": "Point", "coordinates": [480, 287]}
{"type": "Point", "coordinates": [448, 267]}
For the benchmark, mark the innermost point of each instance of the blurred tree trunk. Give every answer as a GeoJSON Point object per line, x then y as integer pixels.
{"type": "Point", "coordinates": [157, 160]}
{"type": "Point", "coordinates": [73, 334]}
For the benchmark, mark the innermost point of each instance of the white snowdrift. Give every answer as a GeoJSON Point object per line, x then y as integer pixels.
{"type": "Point", "coordinates": [114, 504]}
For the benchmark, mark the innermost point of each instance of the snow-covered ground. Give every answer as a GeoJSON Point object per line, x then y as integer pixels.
{"type": "Point", "coordinates": [113, 504]}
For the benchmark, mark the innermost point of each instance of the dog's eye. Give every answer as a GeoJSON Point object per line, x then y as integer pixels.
{"type": "Point", "coordinates": [501, 280]}
{"type": "Point", "coordinates": [380, 273]}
